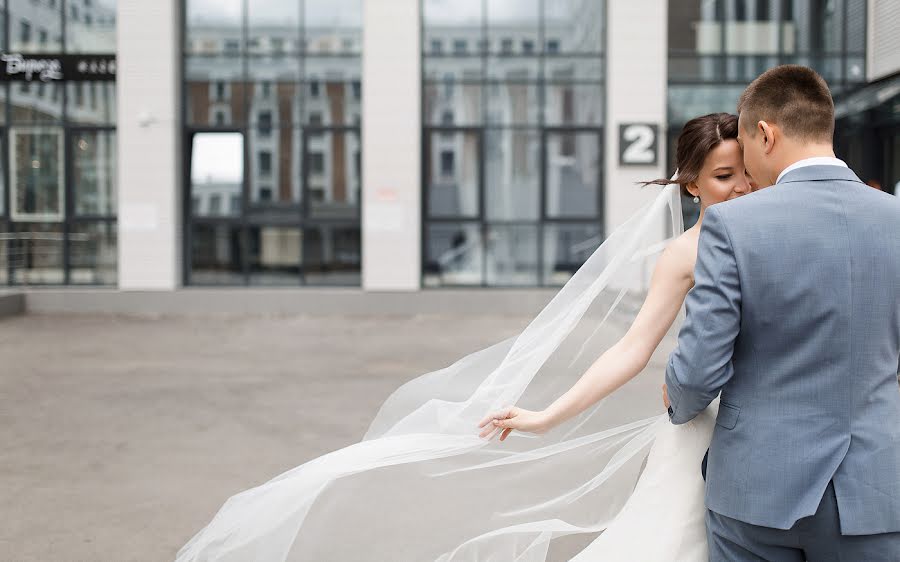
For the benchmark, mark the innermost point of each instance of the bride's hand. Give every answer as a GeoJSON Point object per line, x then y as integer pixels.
{"type": "Point", "coordinates": [510, 418]}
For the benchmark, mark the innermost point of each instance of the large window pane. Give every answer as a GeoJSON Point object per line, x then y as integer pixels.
{"type": "Point", "coordinates": [217, 174]}
{"type": "Point", "coordinates": [453, 254]}
{"type": "Point", "coordinates": [573, 174]}
{"type": "Point", "coordinates": [573, 26]}
{"type": "Point", "coordinates": [35, 102]}
{"type": "Point", "coordinates": [274, 254]}
{"type": "Point", "coordinates": [36, 254]}
{"type": "Point", "coordinates": [274, 92]}
{"type": "Point", "coordinates": [333, 174]}
{"type": "Point", "coordinates": [215, 91]}
{"type": "Point", "coordinates": [573, 104]}
{"type": "Point", "coordinates": [333, 26]}
{"type": "Point", "coordinates": [517, 21]}
{"type": "Point", "coordinates": [273, 27]}
{"type": "Point", "coordinates": [567, 247]}
{"type": "Point", "coordinates": [449, 104]}
{"type": "Point", "coordinates": [94, 172]}
{"type": "Point", "coordinates": [332, 255]}
{"type": "Point", "coordinates": [334, 101]}
{"type": "Point", "coordinates": [91, 103]}
{"type": "Point", "coordinates": [216, 254]}
{"type": "Point", "coordinates": [513, 175]}
{"type": "Point", "coordinates": [91, 28]}
{"type": "Point", "coordinates": [452, 160]}
{"type": "Point", "coordinates": [35, 27]}
{"type": "Point", "coordinates": [443, 21]}
{"type": "Point", "coordinates": [213, 27]}
{"type": "Point", "coordinates": [37, 162]}
{"type": "Point", "coordinates": [275, 167]}
{"type": "Point", "coordinates": [92, 253]}
{"type": "Point", "coordinates": [513, 103]}
{"type": "Point", "coordinates": [512, 252]}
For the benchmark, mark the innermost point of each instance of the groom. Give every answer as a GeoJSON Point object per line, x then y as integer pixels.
{"type": "Point", "coordinates": [795, 318]}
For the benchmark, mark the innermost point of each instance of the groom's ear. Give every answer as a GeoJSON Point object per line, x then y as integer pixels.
{"type": "Point", "coordinates": [768, 135]}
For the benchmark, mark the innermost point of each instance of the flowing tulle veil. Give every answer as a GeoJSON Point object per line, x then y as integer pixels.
{"type": "Point", "coordinates": [421, 485]}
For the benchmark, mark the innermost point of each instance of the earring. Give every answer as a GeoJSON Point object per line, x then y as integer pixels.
{"type": "Point", "coordinates": [696, 199]}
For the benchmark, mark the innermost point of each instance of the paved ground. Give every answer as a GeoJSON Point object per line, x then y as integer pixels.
{"type": "Point", "coordinates": [108, 424]}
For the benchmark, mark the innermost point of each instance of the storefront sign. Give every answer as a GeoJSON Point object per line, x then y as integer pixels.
{"type": "Point", "coordinates": [47, 67]}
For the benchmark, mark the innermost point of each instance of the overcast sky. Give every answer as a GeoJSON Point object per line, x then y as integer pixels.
{"type": "Point", "coordinates": [217, 157]}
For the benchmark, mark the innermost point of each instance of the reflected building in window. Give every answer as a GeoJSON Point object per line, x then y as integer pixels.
{"type": "Point", "coordinates": [287, 78]}
{"type": "Point", "coordinates": [513, 121]}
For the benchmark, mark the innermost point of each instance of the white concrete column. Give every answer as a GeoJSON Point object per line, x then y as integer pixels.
{"type": "Point", "coordinates": [391, 146]}
{"type": "Point", "coordinates": [636, 84]}
{"type": "Point", "coordinates": [149, 147]}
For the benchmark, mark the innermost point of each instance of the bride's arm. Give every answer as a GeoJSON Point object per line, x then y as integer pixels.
{"type": "Point", "coordinates": [670, 283]}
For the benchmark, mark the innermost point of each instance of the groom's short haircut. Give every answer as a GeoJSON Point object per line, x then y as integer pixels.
{"type": "Point", "coordinates": [793, 97]}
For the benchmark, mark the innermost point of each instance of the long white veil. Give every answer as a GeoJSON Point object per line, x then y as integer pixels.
{"type": "Point", "coordinates": [422, 485]}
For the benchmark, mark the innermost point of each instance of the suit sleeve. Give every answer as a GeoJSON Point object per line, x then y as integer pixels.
{"type": "Point", "coordinates": [701, 363]}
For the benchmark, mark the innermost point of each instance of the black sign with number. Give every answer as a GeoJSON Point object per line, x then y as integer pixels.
{"type": "Point", "coordinates": [47, 67]}
{"type": "Point", "coordinates": [638, 144]}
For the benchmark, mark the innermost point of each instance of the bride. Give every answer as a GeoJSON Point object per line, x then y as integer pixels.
{"type": "Point", "coordinates": [570, 480]}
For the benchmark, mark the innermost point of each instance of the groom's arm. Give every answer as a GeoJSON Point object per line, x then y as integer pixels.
{"type": "Point", "coordinates": [701, 363]}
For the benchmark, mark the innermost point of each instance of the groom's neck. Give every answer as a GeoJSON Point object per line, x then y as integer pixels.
{"type": "Point", "coordinates": [794, 153]}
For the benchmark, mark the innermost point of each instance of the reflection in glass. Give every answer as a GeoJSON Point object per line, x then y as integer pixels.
{"type": "Point", "coordinates": [34, 27]}
{"type": "Point", "coordinates": [575, 26]}
{"type": "Point", "coordinates": [36, 254]}
{"type": "Point", "coordinates": [573, 104]}
{"type": "Point", "coordinates": [512, 174]}
{"type": "Point", "coordinates": [512, 252]}
{"type": "Point", "coordinates": [274, 92]}
{"type": "Point", "coordinates": [573, 174]}
{"type": "Point", "coordinates": [216, 254]}
{"type": "Point", "coordinates": [92, 103]}
{"type": "Point", "coordinates": [94, 172]}
{"type": "Point", "coordinates": [333, 26]}
{"type": "Point", "coordinates": [274, 255]}
{"type": "Point", "coordinates": [273, 27]}
{"type": "Point", "coordinates": [35, 102]}
{"type": "Point", "coordinates": [92, 253]}
{"type": "Point", "coordinates": [453, 254]}
{"type": "Point", "coordinates": [688, 101]}
{"type": "Point", "coordinates": [275, 164]}
{"type": "Point", "coordinates": [6, 241]}
{"type": "Point", "coordinates": [566, 247]}
{"type": "Point", "coordinates": [336, 101]}
{"type": "Point", "coordinates": [215, 91]}
{"type": "Point", "coordinates": [213, 27]}
{"type": "Point", "coordinates": [515, 20]}
{"type": "Point", "coordinates": [332, 255]}
{"type": "Point", "coordinates": [94, 30]}
{"type": "Point", "coordinates": [452, 174]}
{"type": "Point", "coordinates": [333, 175]}
{"type": "Point", "coordinates": [217, 173]}
{"type": "Point", "coordinates": [36, 174]}
{"type": "Point", "coordinates": [512, 103]}
{"type": "Point", "coordinates": [452, 103]}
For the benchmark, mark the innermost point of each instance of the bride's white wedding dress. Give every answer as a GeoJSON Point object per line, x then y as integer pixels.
{"type": "Point", "coordinates": [617, 482]}
{"type": "Point", "coordinates": [664, 518]}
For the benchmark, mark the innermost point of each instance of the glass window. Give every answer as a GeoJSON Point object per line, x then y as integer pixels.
{"type": "Point", "coordinates": [91, 103]}
{"type": "Point", "coordinates": [92, 253]}
{"type": "Point", "coordinates": [94, 172]}
{"type": "Point", "coordinates": [274, 255]}
{"type": "Point", "coordinates": [331, 255]}
{"type": "Point", "coordinates": [36, 254]}
{"type": "Point", "coordinates": [213, 27]}
{"type": "Point", "coordinates": [216, 254]}
{"type": "Point", "coordinates": [217, 171]}
{"type": "Point", "coordinates": [566, 247]}
{"type": "Point", "coordinates": [36, 174]}
{"type": "Point", "coordinates": [215, 91]}
{"type": "Point", "coordinates": [26, 19]}
{"type": "Point", "coordinates": [273, 27]}
{"type": "Point", "coordinates": [541, 75]}
{"type": "Point", "coordinates": [96, 32]}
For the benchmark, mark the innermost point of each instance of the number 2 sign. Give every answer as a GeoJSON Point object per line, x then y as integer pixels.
{"type": "Point", "coordinates": [638, 144]}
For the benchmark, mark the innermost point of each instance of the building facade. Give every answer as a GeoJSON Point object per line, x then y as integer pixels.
{"type": "Point", "coordinates": [386, 144]}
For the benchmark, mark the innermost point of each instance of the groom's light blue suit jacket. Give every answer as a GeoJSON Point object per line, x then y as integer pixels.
{"type": "Point", "coordinates": [795, 318]}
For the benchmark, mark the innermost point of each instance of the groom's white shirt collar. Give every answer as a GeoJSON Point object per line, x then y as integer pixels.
{"type": "Point", "coordinates": [815, 161]}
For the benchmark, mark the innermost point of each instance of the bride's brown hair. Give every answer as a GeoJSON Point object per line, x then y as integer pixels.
{"type": "Point", "coordinates": [698, 137]}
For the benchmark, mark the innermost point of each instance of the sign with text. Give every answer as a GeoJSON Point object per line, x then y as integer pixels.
{"type": "Point", "coordinates": [638, 144]}
{"type": "Point", "coordinates": [47, 67]}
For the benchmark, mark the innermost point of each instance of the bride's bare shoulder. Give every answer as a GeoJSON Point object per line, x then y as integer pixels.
{"type": "Point", "coordinates": [680, 255]}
